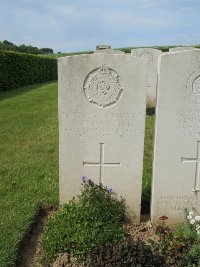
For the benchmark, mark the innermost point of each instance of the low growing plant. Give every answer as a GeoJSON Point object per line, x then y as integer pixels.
{"type": "Point", "coordinates": [180, 246]}
{"type": "Point", "coordinates": [191, 257]}
{"type": "Point", "coordinates": [92, 219]}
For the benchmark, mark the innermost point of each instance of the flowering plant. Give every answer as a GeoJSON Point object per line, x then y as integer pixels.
{"type": "Point", "coordinates": [180, 246]}
{"type": "Point", "coordinates": [163, 232]}
{"type": "Point", "coordinates": [194, 220]}
{"type": "Point", "coordinates": [90, 220]}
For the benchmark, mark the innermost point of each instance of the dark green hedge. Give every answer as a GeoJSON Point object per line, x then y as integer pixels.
{"type": "Point", "coordinates": [18, 69]}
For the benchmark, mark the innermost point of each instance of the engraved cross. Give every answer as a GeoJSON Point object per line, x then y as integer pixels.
{"type": "Point", "coordinates": [101, 163]}
{"type": "Point", "coordinates": [197, 171]}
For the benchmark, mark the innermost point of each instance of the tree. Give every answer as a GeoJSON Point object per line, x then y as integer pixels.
{"type": "Point", "coordinates": [46, 50]}
{"type": "Point", "coordinates": [5, 42]}
{"type": "Point", "coordinates": [8, 46]}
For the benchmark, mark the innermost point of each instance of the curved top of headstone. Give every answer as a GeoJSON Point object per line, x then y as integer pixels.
{"type": "Point", "coordinates": [149, 53]}
{"type": "Point", "coordinates": [181, 48]}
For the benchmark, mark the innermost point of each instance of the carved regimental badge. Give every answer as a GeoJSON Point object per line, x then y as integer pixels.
{"type": "Point", "coordinates": [103, 87]}
{"type": "Point", "coordinates": [193, 86]}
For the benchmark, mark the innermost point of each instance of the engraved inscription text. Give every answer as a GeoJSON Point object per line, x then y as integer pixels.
{"type": "Point", "coordinates": [109, 125]}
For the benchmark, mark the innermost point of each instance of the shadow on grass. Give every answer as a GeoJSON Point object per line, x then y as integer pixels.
{"type": "Point", "coordinates": [147, 164]}
{"type": "Point", "coordinates": [27, 248]}
{"type": "Point", "coordinates": [21, 90]}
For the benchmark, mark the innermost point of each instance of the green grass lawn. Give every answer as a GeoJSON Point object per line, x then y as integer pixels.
{"type": "Point", "coordinates": [29, 161]}
{"type": "Point", "coordinates": [65, 54]}
{"type": "Point", "coordinates": [147, 168]}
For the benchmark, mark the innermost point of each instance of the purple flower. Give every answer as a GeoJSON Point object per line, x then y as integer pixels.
{"type": "Point", "coordinates": [84, 179]}
{"type": "Point", "coordinates": [110, 190]}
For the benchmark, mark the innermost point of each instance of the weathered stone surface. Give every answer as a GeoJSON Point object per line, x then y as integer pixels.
{"type": "Point", "coordinates": [181, 48]}
{"type": "Point", "coordinates": [151, 55]}
{"type": "Point", "coordinates": [176, 168]}
{"type": "Point", "coordinates": [101, 124]}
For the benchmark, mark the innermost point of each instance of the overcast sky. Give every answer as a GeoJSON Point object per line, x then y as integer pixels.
{"type": "Point", "coordinates": [78, 25]}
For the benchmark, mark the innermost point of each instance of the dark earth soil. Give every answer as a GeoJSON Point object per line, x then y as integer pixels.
{"type": "Point", "coordinates": [30, 248]}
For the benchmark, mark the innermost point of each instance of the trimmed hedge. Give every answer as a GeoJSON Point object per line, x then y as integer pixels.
{"type": "Point", "coordinates": [19, 69]}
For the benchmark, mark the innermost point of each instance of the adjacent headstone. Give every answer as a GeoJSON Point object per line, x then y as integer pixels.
{"type": "Point", "coordinates": [101, 124]}
{"type": "Point", "coordinates": [181, 48]}
{"type": "Point", "coordinates": [151, 55]}
{"type": "Point", "coordinates": [107, 49]}
{"type": "Point", "coordinates": [176, 168]}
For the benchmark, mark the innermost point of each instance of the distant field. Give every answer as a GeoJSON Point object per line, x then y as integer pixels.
{"type": "Point", "coordinates": [66, 54]}
{"type": "Point", "coordinates": [125, 49]}
{"type": "Point", "coordinates": [29, 161]}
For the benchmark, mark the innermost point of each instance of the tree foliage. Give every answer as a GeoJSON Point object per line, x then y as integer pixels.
{"type": "Point", "coordinates": [8, 46]}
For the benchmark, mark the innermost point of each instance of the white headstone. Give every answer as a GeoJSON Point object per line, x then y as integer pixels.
{"type": "Point", "coordinates": [176, 168]}
{"type": "Point", "coordinates": [181, 48]}
{"type": "Point", "coordinates": [101, 124]}
{"type": "Point", "coordinates": [151, 55]}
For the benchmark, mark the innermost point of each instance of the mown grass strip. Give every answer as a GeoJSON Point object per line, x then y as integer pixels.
{"type": "Point", "coordinates": [28, 161]}
{"type": "Point", "coordinates": [147, 168]}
